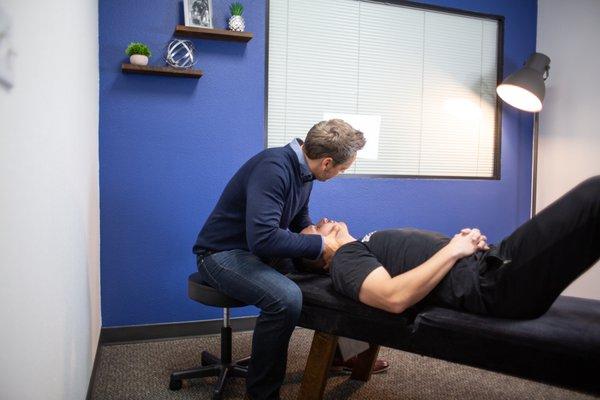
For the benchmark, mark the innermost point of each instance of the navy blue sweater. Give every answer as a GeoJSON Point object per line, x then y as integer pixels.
{"type": "Point", "coordinates": [262, 208]}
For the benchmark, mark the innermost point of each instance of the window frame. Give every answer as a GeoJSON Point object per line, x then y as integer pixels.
{"type": "Point", "coordinates": [427, 7]}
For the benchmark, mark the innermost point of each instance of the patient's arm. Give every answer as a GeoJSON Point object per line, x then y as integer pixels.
{"type": "Point", "coordinates": [396, 294]}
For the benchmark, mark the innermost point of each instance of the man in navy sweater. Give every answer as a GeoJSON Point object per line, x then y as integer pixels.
{"type": "Point", "coordinates": [258, 219]}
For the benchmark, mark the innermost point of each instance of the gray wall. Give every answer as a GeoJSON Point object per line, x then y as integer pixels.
{"type": "Point", "coordinates": [49, 234]}
{"type": "Point", "coordinates": [569, 150]}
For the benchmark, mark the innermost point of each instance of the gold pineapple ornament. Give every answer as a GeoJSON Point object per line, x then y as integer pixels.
{"type": "Point", "coordinates": [236, 22]}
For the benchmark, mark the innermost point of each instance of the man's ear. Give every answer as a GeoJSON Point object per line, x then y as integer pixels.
{"type": "Point", "coordinates": [327, 163]}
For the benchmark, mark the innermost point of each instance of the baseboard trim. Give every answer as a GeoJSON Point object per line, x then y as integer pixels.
{"type": "Point", "coordinates": [94, 371]}
{"type": "Point", "coordinates": [135, 333]}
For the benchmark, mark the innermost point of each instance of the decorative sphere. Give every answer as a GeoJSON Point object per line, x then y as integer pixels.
{"type": "Point", "coordinates": [180, 53]}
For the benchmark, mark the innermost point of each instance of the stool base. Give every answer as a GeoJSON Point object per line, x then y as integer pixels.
{"type": "Point", "coordinates": [211, 365]}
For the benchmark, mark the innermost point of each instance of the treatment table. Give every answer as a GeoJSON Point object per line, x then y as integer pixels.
{"type": "Point", "coordinates": [561, 347]}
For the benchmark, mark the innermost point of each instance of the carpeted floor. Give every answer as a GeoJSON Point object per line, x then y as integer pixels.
{"type": "Point", "coordinates": [141, 371]}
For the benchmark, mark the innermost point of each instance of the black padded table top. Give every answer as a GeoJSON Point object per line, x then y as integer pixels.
{"type": "Point", "coordinates": [562, 346]}
{"type": "Point", "coordinates": [571, 326]}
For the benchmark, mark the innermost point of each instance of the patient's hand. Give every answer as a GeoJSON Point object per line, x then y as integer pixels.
{"type": "Point", "coordinates": [482, 244]}
{"type": "Point", "coordinates": [467, 242]}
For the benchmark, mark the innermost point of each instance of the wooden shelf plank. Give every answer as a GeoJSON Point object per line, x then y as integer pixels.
{"type": "Point", "coordinates": [216, 34]}
{"type": "Point", "coordinates": [164, 71]}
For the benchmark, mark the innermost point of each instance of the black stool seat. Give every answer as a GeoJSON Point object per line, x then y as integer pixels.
{"type": "Point", "coordinates": [211, 365]}
{"type": "Point", "coordinates": [199, 291]}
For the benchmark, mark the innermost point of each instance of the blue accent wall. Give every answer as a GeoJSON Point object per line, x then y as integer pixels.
{"type": "Point", "coordinates": [169, 145]}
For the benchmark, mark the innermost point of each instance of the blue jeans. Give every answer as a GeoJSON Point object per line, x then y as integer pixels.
{"type": "Point", "coordinates": [243, 276]}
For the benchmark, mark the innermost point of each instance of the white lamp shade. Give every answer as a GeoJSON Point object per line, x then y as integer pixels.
{"type": "Point", "coordinates": [525, 89]}
{"type": "Point", "coordinates": [518, 97]}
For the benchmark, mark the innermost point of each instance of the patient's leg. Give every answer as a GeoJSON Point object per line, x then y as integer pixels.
{"type": "Point", "coordinates": [548, 253]}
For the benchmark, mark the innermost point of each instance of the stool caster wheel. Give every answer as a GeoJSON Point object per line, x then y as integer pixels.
{"type": "Point", "coordinates": [175, 384]}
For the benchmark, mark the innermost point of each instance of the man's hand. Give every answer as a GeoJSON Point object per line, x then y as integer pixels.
{"type": "Point", "coordinates": [331, 246]}
{"type": "Point", "coordinates": [310, 230]}
{"type": "Point", "coordinates": [467, 242]}
{"type": "Point", "coordinates": [482, 244]}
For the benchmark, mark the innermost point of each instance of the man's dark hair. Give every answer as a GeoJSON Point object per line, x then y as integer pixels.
{"type": "Point", "coordinates": [334, 138]}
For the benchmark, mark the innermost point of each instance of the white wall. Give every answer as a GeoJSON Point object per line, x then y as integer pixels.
{"type": "Point", "coordinates": [569, 145]}
{"type": "Point", "coordinates": [49, 214]}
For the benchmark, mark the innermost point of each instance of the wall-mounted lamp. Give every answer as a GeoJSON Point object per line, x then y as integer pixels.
{"type": "Point", "coordinates": [525, 90]}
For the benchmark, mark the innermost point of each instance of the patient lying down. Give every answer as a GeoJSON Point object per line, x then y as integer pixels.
{"type": "Point", "coordinates": [518, 278]}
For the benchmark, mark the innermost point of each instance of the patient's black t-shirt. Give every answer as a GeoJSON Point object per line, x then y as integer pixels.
{"type": "Point", "coordinates": [398, 250]}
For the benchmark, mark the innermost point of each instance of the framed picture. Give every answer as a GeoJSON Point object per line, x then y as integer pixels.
{"type": "Point", "coordinates": [198, 13]}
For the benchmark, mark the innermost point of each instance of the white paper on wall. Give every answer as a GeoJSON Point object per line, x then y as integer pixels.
{"type": "Point", "coordinates": [367, 124]}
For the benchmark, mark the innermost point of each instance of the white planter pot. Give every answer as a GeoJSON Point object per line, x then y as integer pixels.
{"type": "Point", "coordinates": [237, 23]}
{"type": "Point", "coordinates": [138, 59]}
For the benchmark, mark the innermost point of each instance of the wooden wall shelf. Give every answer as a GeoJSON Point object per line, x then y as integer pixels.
{"type": "Point", "coordinates": [215, 34]}
{"type": "Point", "coordinates": [164, 71]}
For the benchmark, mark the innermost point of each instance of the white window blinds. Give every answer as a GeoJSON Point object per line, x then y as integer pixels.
{"type": "Point", "coordinates": [420, 83]}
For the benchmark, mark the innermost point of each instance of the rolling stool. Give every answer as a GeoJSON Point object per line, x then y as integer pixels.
{"type": "Point", "coordinates": [211, 365]}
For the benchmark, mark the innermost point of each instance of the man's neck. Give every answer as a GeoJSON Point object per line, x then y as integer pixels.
{"type": "Point", "coordinates": [312, 164]}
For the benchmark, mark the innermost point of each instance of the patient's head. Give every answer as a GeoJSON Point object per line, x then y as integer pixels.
{"type": "Point", "coordinates": [324, 228]}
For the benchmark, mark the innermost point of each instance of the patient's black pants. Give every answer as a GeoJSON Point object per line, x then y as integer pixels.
{"type": "Point", "coordinates": [544, 255]}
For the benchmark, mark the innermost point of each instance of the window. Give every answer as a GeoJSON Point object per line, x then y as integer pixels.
{"type": "Point", "coordinates": [420, 83]}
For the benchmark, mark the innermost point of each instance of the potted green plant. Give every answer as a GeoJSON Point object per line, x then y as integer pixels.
{"type": "Point", "coordinates": [236, 22]}
{"type": "Point", "coordinates": [138, 53]}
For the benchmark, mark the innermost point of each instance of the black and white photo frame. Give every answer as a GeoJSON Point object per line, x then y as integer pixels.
{"type": "Point", "coordinates": [198, 13]}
